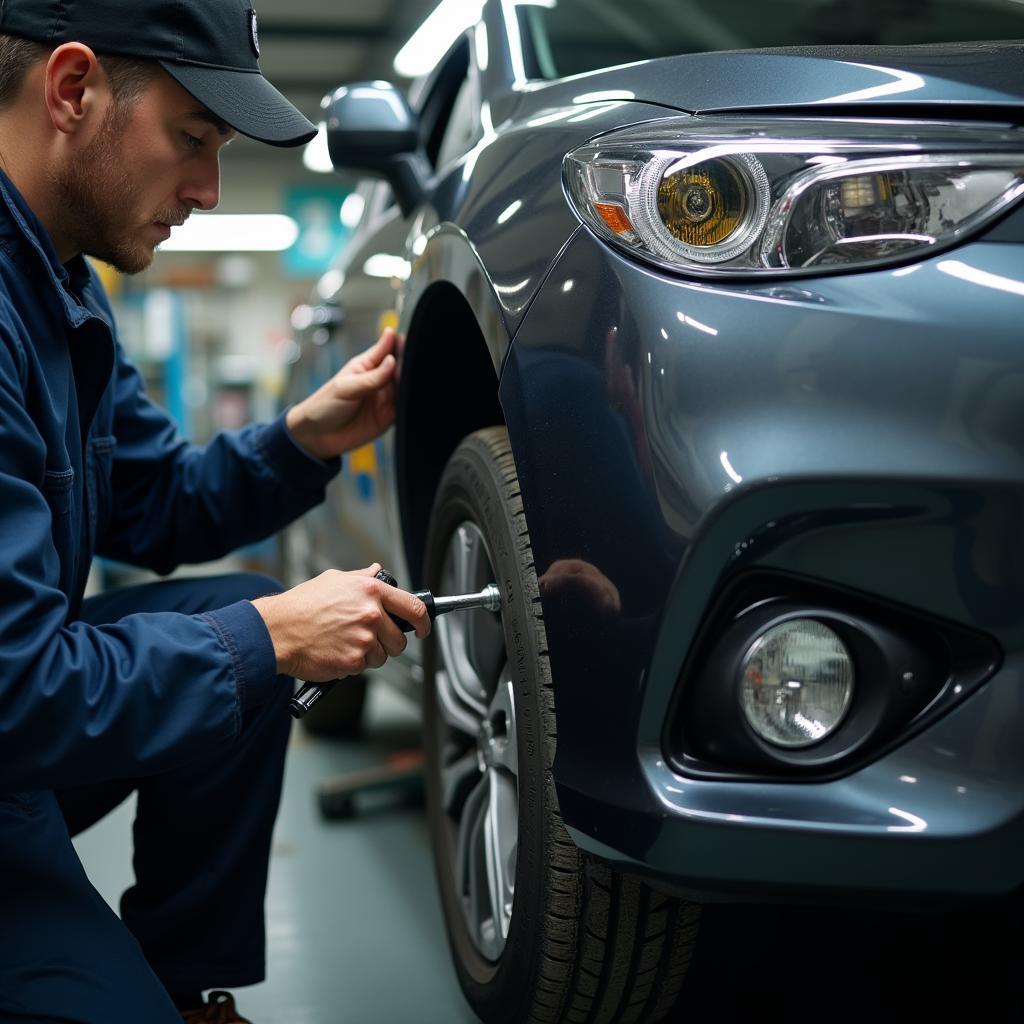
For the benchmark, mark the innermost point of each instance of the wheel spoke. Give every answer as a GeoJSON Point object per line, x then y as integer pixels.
{"type": "Point", "coordinates": [458, 779]}
{"type": "Point", "coordinates": [466, 549]}
{"type": "Point", "coordinates": [473, 873]}
{"type": "Point", "coordinates": [502, 713]}
{"type": "Point", "coordinates": [466, 683]}
{"type": "Point", "coordinates": [472, 642]}
{"type": "Point", "coordinates": [459, 711]}
{"type": "Point", "coordinates": [501, 828]}
{"type": "Point", "coordinates": [476, 701]}
{"type": "Point", "coordinates": [473, 811]}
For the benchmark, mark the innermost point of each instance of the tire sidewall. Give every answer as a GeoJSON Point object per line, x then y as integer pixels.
{"type": "Point", "coordinates": [472, 489]}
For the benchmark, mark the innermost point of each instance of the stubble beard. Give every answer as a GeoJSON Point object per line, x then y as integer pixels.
{"type": "Point", "coordinates": [100, 201]}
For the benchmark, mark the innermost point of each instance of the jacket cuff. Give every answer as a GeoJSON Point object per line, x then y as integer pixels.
{"type": "Point", "coordinates": [291, 463]}
{"type": "Point", "coordinates": [245, 635]}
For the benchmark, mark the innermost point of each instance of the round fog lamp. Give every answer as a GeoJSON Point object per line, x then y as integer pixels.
{"type": "Point", "coordinates": [797, 683]}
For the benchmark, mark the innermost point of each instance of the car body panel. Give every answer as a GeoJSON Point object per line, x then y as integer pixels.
{"type": "Point", "coordinates": [985, 75]}
{"type": "Point", "coordinates": [497, 218]}
{"type": "Point", "coordinates": [717, 429]}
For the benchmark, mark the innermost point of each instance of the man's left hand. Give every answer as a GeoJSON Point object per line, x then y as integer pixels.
{"type": "Point", "coordinates": [355, 406]}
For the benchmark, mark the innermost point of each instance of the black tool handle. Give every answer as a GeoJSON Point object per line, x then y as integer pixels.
{"type": "Point", "coordinates": [309, 693]}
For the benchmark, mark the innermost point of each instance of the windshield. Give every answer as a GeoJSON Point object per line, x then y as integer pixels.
{"type": "Point", "coordinates": [573, 36]}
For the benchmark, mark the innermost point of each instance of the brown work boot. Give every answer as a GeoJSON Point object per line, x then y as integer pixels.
{"type": "Point", "coordinates": [219, 1009]}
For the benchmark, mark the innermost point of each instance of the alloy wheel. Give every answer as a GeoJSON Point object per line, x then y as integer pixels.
{"type": "Point", "coordinates": [480, 770]}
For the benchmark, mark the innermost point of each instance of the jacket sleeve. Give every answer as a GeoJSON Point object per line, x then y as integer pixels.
{"type": "Point", "coordinates": [80, 703]}
{"type": "Point", "coordinates": [174, 502]}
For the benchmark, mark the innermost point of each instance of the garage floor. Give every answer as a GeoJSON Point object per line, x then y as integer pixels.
{"type": "Point", "coordinates": [355, 934]}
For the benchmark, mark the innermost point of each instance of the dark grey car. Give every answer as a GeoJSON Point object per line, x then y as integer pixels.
{"type": "Point", "coordinates": [714, 363]}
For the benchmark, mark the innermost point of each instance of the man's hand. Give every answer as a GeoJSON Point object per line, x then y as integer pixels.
{"type": "Point", "coordinates": [355, 406]}
{"type": "Point", "coordinates": [338, 624]}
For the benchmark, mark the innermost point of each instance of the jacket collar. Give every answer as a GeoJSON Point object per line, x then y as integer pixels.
{"type": "Point", "coordinates": [23, 234]}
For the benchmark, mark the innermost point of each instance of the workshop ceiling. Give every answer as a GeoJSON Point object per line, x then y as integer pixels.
{"type": "Point", "coordinates": [309, 47]}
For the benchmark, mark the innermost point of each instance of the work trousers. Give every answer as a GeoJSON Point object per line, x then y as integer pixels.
{"type": "Point", "coordinates": [202, 833]}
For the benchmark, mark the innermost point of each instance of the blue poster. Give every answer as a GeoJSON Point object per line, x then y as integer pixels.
{"type": "Point", "coordinates": [317, 211]}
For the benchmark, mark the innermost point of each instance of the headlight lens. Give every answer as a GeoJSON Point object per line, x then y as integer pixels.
{"type": "Point", "coordinates": [797, 683]}
{"type": "Point", "coordinates": [745, 196]}
{"type": "Point", "coordinates": [708, 212]}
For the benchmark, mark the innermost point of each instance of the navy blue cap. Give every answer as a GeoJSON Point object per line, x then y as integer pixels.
{"type": "Point", "coordinates": [211, 47]}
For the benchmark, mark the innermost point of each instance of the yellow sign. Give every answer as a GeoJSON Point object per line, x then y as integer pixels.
{"type": "Point", "coordinates": [363, 460]}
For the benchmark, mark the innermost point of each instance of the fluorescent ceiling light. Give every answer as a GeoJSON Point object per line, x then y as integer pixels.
{"type": "Point", "coordinates": [352, 210]}
{"type": "Point", "coordinates": [233, 232]}
{"type": "Point", "coordinates": [430, 42]}
{"type": "Point", "coordinates": [315, 155]}
{"type": "Point", "coordinates": [383, 264]}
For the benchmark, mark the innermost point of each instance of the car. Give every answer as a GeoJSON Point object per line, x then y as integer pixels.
{"type": "Point", "coordinates": [712, 360]}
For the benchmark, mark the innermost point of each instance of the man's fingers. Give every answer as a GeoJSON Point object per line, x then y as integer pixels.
{"type": "Point", "coordinates": [376, 656]}
{"type": "Point", "coordinates": [370, 570]}
{"type": "Point", "coordinates": [407, 606]}
{"type": "Point", "coordinates": [391, 638]}
{"type": "Point", "coordinates": [357, 384]}
{"type": "Point", "coordinates": [376, 353]}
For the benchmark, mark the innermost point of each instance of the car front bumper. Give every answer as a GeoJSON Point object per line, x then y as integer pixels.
{"type": "Point", "coordinates": [864, 430]}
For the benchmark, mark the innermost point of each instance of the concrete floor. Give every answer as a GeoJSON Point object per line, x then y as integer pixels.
{"type": "Point", "coordinates": [355, 934]}
{"type": "Point", "coordinates": [354, 927]}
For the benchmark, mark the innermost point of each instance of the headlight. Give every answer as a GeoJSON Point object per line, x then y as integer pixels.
{"type": "Point", "coordinates": [758, 196]}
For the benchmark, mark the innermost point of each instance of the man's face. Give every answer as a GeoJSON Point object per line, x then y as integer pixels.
{"type": "Point", "coordinates": [150, 164]}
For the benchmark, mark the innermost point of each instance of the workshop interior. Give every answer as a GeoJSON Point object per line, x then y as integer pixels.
{"type": "Point", "coordinates": [707, 466]}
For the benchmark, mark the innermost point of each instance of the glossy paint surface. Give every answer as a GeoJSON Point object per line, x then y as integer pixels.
{"type": "Point", "coordinates": [863, 429]}
{"type": "Point", "coordinates": [498, 216]}
{"type": "Point", "coordinates": [983, 74]}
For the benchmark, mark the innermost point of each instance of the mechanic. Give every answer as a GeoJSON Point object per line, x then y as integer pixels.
{"type": "Point", "coordinates": [112, 117]}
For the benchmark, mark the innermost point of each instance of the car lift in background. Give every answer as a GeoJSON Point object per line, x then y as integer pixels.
{"type": "Point", "coordinates": [401, 774]}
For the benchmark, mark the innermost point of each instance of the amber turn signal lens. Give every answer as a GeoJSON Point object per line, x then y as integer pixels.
{"type": "Point", "coordinates": [614, 216]}
{"type": "Point", "coordinates": [703, 205]}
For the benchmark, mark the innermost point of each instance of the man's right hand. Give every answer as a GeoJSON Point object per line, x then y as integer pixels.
{"type": "Point", "coordinates": [338, 624]}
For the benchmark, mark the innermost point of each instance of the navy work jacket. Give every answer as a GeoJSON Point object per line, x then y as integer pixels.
{"type": "Point", "coordinates": [88, 464]}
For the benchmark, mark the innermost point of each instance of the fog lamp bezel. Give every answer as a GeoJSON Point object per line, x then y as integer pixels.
{"type": "Point", "coordinates": [910, 668]}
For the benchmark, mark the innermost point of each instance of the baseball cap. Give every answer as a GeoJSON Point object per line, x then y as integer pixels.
{"type": "Point", "coordinates": [210, 47]}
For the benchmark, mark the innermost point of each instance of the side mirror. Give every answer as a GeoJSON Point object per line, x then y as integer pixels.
{"type": "Point", "coordinates": [371, 127]}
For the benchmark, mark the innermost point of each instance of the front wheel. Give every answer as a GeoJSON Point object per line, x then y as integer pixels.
{"type": "Point", "coordinates": [539, 933]}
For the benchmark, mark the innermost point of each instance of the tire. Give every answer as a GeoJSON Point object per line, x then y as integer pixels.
{"type": "Point", "coordinates": [581, 943]}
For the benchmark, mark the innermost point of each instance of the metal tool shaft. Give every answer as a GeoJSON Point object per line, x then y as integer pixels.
{"type": "Point", "coordinates": [489, 598]}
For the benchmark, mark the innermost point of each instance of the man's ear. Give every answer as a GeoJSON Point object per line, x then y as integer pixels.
{"type": "Point", "coordinates": [75, 90]}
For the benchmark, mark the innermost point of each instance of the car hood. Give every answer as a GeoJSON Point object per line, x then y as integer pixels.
{"type": "Point", "coordinates": [985, 75]}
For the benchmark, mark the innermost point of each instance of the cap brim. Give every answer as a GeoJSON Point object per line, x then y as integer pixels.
{"type": "Point", "coordinates": [246, 101]}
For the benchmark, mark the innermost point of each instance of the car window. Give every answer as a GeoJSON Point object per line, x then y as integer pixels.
{"type": "Point", "coordinates": [567, 37]}
{"type": "Point", "coordinates": [441, 94]}
{"type": "Point", "coordinates": [463, 129]}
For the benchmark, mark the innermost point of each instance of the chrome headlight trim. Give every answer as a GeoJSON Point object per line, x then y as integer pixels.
{"type": "Point", "coordinates": [783, 161]}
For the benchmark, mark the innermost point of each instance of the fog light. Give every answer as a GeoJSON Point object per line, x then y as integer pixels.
{"type": "Point", "coordinates": [797, 683]}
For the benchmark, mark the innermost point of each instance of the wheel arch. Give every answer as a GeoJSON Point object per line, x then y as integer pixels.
{"type": "Point", "coordinates": [447, 389]}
